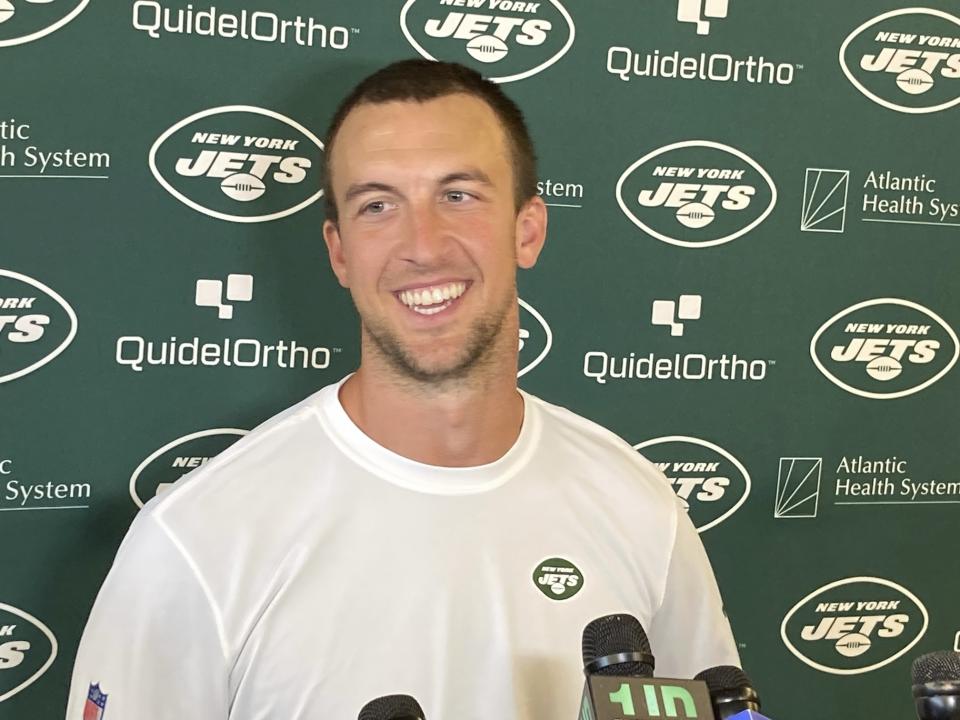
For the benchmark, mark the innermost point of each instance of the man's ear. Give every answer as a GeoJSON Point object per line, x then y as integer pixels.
{"type": "Point", "coordinates": [530, 231]}
{"type": "Point", "coordinates": [331, 236]}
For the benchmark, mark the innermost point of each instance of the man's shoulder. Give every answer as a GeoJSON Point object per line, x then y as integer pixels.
{"type": "Point", "coordinates": [258, 465]}
{"type": "Point", "coordinates": [565, 428]}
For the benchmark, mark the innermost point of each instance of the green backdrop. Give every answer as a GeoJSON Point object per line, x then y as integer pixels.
{"type": "Point", "coordinates": [752, 251]}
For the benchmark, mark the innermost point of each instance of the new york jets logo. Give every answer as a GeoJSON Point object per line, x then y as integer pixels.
{"type": "Point", "coordinates": [696, 193]}
{"type": "Point", "coordinates": [558, 579]}
{"type": "Point", "coordinates": [24, 20]}
{"type": "Point", "coordinates": [164, 466]}
{"type": "Point", "coordinates": [885, 348]}
{"type": "Point", "coordinates": [710, 482]}
{"type": "Point", "coordinates": [27, 649]}
{"type": "Point", "coordinates": [36, 325]}
{"type": "Point", "coordinates": [240, 163]}
{"type": "Point", "coordinates": [505, 40]}
{"type": "Point", "coordinates": [907, 60]}
{"type": "Point", "coordinates": [535, 338]}
{"type": "Point", "coordinates": [854, 625]}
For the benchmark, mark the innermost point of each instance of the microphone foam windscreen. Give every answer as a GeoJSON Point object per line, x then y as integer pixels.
{"type": "Point", "coordinates": [392, 707]}
{"type": "Point", "coordinates": [942, 665]}
{"type": "Point", "coordinates": [724, 677]}
{"type": "Point", "coordinates": [613, 634]}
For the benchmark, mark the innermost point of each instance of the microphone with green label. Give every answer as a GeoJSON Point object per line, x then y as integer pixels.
{"type": "Point", "coordinates": [619, 683]}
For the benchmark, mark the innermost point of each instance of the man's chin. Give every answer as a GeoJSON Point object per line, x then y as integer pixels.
{"type": "Point", "coordinates": [434, 370]}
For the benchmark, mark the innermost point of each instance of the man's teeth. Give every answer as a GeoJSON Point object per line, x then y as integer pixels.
{"type": "Point", "coordinates": [430, 300]}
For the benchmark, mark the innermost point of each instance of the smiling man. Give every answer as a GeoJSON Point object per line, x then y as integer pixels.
{"type": "Point", "coordinates": [421, 526]}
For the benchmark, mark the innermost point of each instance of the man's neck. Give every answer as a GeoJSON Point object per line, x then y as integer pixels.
{"type": "Point", "coordinates": [461, 425]}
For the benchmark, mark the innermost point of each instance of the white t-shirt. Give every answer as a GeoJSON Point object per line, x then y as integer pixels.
{"type": "Point", "coordinates": [307, 570]}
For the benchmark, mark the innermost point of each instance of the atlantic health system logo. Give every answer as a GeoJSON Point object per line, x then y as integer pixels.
{"type": "Point", "coordinates": [696, 193]}
{"type": "Point", "coordinates": [884, 348]}
{"type": "Point", "coordinates": [506, 40]}
{"type": "Point", "coordinates": [22, 21]}
{"type": "Point", "coordinates": [240, 163]}
{"type": "Point", "coordinates": [907, 60]}
{"type": "Point", "coordinates": [825, 200]}
{"type": "Point", "coordinates": [854, 625]}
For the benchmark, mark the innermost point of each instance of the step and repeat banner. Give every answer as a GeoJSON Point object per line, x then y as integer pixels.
{"type": "Point", "coordinates": [750, 275]}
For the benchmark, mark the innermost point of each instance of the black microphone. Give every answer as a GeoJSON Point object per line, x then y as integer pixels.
{"type": "Point", "coordinates": [731, 693]}
{"type": "Point", "coordinates": [619, 668]}
{"type": "Point", "coordinates": [616, 645]}
{"type": "Point", "coordinates": [392, 707]}
{"type": "Point", "coordinates": [936, 685]}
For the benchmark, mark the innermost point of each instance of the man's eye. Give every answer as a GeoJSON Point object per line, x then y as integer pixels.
{"type": "Point", "coordinates": [456, 196]}
{"type": "Point", "coordinates": [374, 208]}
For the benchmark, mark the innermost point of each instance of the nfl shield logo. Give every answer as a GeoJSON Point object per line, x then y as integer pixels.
{"type": "Point", "coordinates": [96, 703]}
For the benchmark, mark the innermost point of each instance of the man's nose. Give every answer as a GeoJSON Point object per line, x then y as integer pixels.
{"type": "Point", "coordinates": [428, 235]}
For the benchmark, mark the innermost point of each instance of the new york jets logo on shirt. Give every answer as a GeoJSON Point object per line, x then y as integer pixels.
{"type": "Point", "coordinates": [558, 579]}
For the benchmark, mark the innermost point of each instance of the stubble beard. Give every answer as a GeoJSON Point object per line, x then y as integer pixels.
{"type": "Point", "coordinates": [478, 351]}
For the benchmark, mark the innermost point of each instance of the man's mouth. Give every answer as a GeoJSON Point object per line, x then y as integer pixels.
{"type": "Point", "coordinates": [432, 299]}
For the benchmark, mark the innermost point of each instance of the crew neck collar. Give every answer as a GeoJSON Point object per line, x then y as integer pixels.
{"type": "Point", "coordinates": [413, 475]}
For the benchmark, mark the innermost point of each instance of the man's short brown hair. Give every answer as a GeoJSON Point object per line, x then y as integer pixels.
{"type": "Point", "coordinates": [421, 80]}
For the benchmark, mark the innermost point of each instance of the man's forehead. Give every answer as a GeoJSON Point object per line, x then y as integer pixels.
{"type": "Point", "coordinates": [454, 122]}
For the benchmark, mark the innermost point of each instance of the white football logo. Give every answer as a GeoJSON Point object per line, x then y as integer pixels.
{"type": "Point", "coordinates": [915, 81]}
{"type": "Point", "coordinates": [243, 187]}
{"type": "Point", "coordinates": [6, 10]}
{"type": "Point", "coordinates": [487, 48]}
{"type": "Point", "coordinates": [853, 645]}
{"type": "Point", "coordinates": [884, 368]}
{"type": "Point", "coordinates": [695, 215]}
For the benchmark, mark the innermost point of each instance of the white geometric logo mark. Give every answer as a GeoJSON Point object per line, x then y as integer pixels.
{"type": "Point", "coordinates": [690, 11]}
{"type": "Point", "coordinates": [666, 312]}
{"type": "Point", "coordinates": [824, 200]}
{"type": "Point", "coordinates": [210, 293]}
{"type": "Point", "coordinates": [798, 487]}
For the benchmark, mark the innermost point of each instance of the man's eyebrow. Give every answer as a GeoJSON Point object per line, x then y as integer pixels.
{"type": "Point", "coordinates": [468, 175]}
{"type": "Point", "coordinates": [367, 187]}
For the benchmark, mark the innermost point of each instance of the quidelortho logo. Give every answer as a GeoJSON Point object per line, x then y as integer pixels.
{"type": "Point", "coordinates": [557, 578]}
{"type": "Point", "coordinates": [24, 20]}
{"type": "Point", "coordinates": [701, 13]}
{"type": "Point", "coordinates": [164, 466]}
{"type": "Point", "coordinates": [239, 163]}
{"type": "Point", "coordinates": [140, 353]}
{"type": "Point", "coordinates": [27, 650]}
{"type": "Point", "coordinates": [673, 314]}
{"type": "Point", "coordinates": [211, 293]}
{"type": "Point", "coordinates": [696, 193]}
{"type": "Point", "coordinates": [36, 325]}
{"type": "Point", "coordinates": [505, 40]}
{"type": "Point", "coordinates": [854, 625]}
{"type": "Point", "coordinates": [681, 364]}
{"type": "Point", "coordinates": [710, 481]}
{"type": "Point", "coordinates": [264, 26]}
{"type": "Point", "coordinates": [885, 348]}
{"type": "Point", "coordinates": [906, 60]}
{"type": "Point", "coordinates": [536, 339]}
